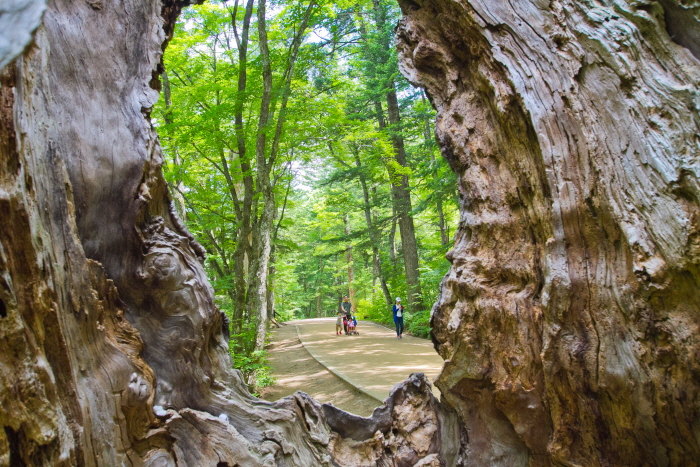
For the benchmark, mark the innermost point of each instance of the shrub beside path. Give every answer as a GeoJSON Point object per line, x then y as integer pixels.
{"type": "Point", "coordinates": [372, 362]}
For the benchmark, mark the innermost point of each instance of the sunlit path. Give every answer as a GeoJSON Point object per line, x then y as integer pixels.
{"type": "Point", "coordinates": [375, 360]}
{"type": "Point", "coordinates": [294, 369]}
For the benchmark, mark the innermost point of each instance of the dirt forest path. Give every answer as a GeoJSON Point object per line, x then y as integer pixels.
{"type": "Point", "coordinates": [355, 373]}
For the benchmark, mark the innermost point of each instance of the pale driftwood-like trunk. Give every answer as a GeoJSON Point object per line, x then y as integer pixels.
{"type": "Point", "coordinates": [569, 320]}
{"type": "Point", "coordinates": [105, 310]}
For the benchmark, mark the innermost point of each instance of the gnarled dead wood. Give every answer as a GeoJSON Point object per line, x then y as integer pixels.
{"type": "Point", "coordinates": [105, 310]}
{"type": "Point", "coordinates": [569, 320]}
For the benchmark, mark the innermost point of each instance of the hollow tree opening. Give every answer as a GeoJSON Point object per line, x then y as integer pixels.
{"type": "Point", "coordinates": [362, 204]}
{"type": "Point", "coordinates": [568, 318]}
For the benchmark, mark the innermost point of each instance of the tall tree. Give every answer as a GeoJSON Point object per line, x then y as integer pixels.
{"type": "Point", "coordinates": [382, 69]}
{"type": "Point", "coordinates": [371, 229]}
{"type": "Point", "coordinates": [221, 124]}
{"type": "Point", "coordinates": [266, 157]}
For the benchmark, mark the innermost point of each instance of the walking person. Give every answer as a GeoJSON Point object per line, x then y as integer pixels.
{"type": "Point", "coordinates": [346, 308]}
{"type": "Point", "coordinates": [397, 309]}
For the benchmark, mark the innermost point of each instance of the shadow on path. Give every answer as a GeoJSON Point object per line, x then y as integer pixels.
{"type": "Point", "coordinates": [363, 368]}
{"type": "Point", "coordinates": [375, 360]}
{"type": "Point", "coordinates": [296, 370]}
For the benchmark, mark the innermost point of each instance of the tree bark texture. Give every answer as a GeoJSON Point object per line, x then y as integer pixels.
{"type": "Point", "coordinates": [105, 311]}
{"type": "Point", "coordinates": [18, 20]}
{"type": "Point", "coordinates": [569, 320]}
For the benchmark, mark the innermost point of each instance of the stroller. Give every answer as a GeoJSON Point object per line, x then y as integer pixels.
{"type": "Point", "coordinates": [352, 327]}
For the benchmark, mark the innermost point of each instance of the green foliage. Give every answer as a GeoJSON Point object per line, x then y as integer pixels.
{"type": "Point", "coordinates": [416, 323]}
{"type": "Point", "coordinates": [254, 365]}
{"type": "Point", "coordinates": [332, 153]}
{"type": "Point", "coordinates": [376, 311]}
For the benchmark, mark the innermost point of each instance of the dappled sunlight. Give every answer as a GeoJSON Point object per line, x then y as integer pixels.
{"type": "Point", "coordinates": [300, 379]}
{"type": "Point", "coordinates": [300, 360]}
{"type": "Point", "coordinates": [296, 370]}
{"type": "Point", "coordinates": [375, 360]}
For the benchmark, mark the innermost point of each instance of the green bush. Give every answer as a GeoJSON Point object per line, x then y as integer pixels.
{"type": "Point", "coordinates": [376, 311]}
{"type": "Point", "coordinates": [255, 370]}
{"type": "Point", "coordinates": [416, 323]}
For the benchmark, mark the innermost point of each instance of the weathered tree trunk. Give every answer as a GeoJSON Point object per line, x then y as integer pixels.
{"type": "Point", "coordinates": [104, 306]}
{"type": "Point", "coordinates": [569, 320]}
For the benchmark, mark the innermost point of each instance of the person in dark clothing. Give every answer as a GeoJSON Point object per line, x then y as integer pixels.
{"type": "Point", "coordinates": [273, 320]}
{"type": "Point", "coordinates": [346, 308]}
{"type": "Point", "coordinates": [397, 309]}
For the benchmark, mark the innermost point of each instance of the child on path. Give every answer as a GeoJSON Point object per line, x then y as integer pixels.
{"type": "Point", "coordinates": [339, 324]}
{"type": "Point", "coordinates": [397, 309]}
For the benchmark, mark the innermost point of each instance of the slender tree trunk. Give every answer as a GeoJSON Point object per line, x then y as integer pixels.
{"type": "Point", "coordinates": [271, 285]}
{"type": "Point", "coordinates": [273, 259]}
{"type": "Point", "coordinates": [402, 200]}
{"type": "Point", "coordinates": [265, 162]}
{"type": "Point", "coordinates": [350, 265]}
{"type": "Point", "coordinates": [373, 235]}
{"type": "Point", "coordinates": [257, 292]}
{"type": "Point", "coordinates": [444, 233]}
{"type": "Point", "coordinates": [429, 143]}
{"type": "Point", "coordinates": [177, 162]}
{"type": "Point", "coordinates": [401, 197]}
{"type": "Point", "coordinates": [242, 253]}
{"type": "Point", "coordinates": [319, 284]}
{"type": "Point", "coordinates": [400, 188]}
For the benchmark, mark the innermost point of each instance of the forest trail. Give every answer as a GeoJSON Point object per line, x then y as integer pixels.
{"type": "Point", "coordinates": [363, 368]}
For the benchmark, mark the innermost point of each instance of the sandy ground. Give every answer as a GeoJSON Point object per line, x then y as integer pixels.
{"type": "Point", "coordinates": [296, 370]}
{"type": "Point", "coordinates": [374, 361]}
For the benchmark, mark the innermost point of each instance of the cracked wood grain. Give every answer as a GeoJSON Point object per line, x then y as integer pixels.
{"type": "Point", "coordinates": [105, 309]}
{"type": "Point", "coordinates": [569, 318]}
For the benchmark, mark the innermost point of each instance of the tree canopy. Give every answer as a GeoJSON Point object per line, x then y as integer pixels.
{"type": "Point", "coordinates": [304, 163]}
